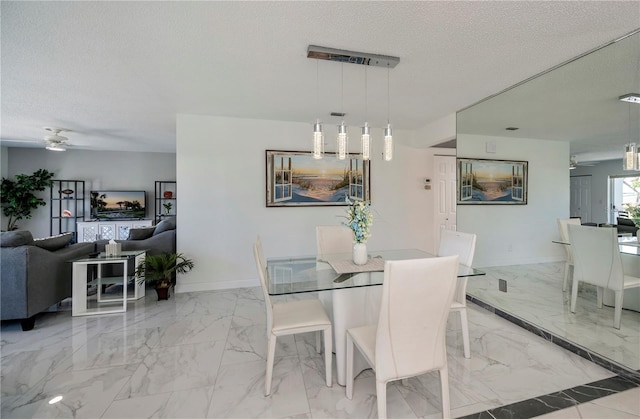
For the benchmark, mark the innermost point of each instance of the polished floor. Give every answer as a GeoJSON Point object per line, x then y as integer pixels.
{"type": "Point", "coordinates": [534, 294]}
{"type": "Point", "coordinates": [202, 355]}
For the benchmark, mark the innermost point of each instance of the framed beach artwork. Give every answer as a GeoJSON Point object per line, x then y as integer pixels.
{"type": "Point", "coordinates": [502, 182]}
{"type": "Point", "coordinates": [296, 179]}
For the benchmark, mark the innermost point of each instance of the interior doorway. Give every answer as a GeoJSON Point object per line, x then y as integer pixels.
{"type": "Point", "coordinates": [445, 191]}
{"type": "Point", "coordinates": [580, 204]}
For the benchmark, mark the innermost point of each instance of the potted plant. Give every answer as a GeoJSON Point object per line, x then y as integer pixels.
{"type": "Point", "coordinates": [167, 207]}
{"type": "Point", "coordinates": [160, 268]}
{"type": "Point", "coordinates": [17, 196]}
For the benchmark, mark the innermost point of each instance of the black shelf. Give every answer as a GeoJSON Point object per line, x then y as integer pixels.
{"type": "Point", "coordinates": [74, 203]}
{"type": "Point", "coordinates": [164, 188]}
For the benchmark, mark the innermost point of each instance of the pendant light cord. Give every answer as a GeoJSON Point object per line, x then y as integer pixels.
{"type": "Point", "coordinates": [365, 94]}
{"type": "Point", "coordinates": [388, 97]}
{"type": "Point", "coordinates": [342, 91]}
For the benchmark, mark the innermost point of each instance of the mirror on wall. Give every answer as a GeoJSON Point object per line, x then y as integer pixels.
{"type": "Point", "coordinates": [577, 102]}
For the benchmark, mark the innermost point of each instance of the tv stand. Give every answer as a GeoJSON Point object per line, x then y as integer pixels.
{"type": "Point", "coordinates": [89, 231]}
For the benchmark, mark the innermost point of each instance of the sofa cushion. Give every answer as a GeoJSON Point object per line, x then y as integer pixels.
{"type": "Point", "coordinates": [15, 238]}
{"type": "Point", "coordinates": [54, 243]}
{"type": "Point", "coordinates": [164, 225]}
{"type": "Point", "coordinates": [141, 233]}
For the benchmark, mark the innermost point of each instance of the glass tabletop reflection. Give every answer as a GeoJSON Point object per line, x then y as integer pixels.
{"type": "Point", "coordinates": [313, 273]}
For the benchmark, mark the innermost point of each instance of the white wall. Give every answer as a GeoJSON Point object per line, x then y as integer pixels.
{"type": "Point", "coordinates": [99, 170]}
{"type": "Point", "coordinates": [519, 234]}
{"type": "Point", "coordinates": [221, 175]}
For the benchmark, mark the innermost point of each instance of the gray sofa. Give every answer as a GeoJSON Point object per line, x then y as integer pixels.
{"type": "Point", "coordinates": [35, 273]}
{"type": "Point", "coordinates": [160, 238]}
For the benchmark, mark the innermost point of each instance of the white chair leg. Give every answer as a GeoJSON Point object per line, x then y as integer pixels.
{"type": "Point", "coordinates": [381, 393]}
{"type": "Point", "coordinates": [465, 333]}
{"type": "Point", "coordinates": [318, 345]}
{"type": "Point", "coordinates": [617, 314]}
{"type": "Point", "coordinates": [599, 292]}
{"type": "Point", "coordinates": [566, 277]}
{"type": "Point", "coordinates": [271, 351]}
{"type": "Point", "coordinates": [349, 362]}
{"type": "Point", "coordinates": [328, 354]}
{"type": "Point", "coordinates": [444, 387]}
{"type": "Point", "coordinates": [574, 295]}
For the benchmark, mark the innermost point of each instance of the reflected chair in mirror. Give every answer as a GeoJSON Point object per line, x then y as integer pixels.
{"type": "Point", "coordinates": [597, 261]}
{"type": "Point", "coordinates": [463, 245]}
{"type": "Point", "coordinates": [290, 318]}
{"type": "Point", "coordinates": [410, 337]}
{"type": "Point", "coordinates": [564, 236]}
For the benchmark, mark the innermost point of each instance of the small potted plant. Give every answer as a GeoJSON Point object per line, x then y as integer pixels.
{"type": "Point", "coordinates": [167, 207]}
{"type": "Point", "coordinates": [160, 268]}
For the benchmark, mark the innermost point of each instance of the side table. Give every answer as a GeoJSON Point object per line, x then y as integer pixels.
{"type": "Point", "coordinates": [104, 305]}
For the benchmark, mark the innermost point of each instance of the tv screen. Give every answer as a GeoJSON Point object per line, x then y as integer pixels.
{"type": "Point", "coordinates": [109, 205]}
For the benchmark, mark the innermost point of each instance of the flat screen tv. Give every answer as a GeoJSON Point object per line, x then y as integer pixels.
{"type": "Point", "coordinates": [113, 205]}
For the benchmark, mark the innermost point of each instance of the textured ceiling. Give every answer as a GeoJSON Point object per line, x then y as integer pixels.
{"type": "Point", "coordinates": [117, 73]}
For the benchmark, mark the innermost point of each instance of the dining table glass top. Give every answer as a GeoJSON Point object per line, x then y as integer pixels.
{"type": "Point", "coordinates": [628, 244]}
{"type": "Point", "coordinates": [314, 273]}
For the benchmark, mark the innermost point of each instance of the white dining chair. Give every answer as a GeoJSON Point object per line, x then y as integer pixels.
{"type": "Point", "coordinates": [597, 261]}
{"type": "Point", "coordinates": [333, 239]}
{"type": "Point", "coordinates": [463, 245]}
{"type": "Point", "coordinates": [410, 337]}
{"type": "Point", "coordinates": [564, 236]}
{"type": "Point", "coordinates": [290, 318]}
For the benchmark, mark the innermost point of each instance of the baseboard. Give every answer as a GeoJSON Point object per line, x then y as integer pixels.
{"type": "Point", "coordinates": [214, 286]}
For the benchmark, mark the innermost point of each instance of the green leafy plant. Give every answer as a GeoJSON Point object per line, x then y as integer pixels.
{"type": "Point", "coordinates": [160, 268]}
{"type": "Point", "coordinates": [18, 198]}
{"type": "Point", "coordinates": [167, 207]}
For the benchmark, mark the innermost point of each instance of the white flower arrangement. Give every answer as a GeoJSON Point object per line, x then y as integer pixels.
{"type": "Point", "coordinates": [359, 220]}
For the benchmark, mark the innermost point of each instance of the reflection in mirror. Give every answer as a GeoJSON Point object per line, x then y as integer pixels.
{"type": "Point", "coordinates": [571, 113]}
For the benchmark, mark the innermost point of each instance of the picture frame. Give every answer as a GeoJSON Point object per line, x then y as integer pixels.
{"type": "Point", "coordinates": [493, 182]}
{"type": "Point", "coordinates": [296, 179]}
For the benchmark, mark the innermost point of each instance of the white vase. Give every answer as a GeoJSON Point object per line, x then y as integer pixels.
{"type": "Point", "coordinates": [360, 253]}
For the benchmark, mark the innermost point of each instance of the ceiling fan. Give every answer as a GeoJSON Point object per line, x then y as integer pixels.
{"type": "Point", "coordinates": [573, 163]}
{"type": "Point", "coordinates": [56, 142]}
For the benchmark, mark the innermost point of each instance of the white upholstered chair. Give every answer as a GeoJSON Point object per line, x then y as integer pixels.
{"type": "Point", "coordinates": [409, 339]}
{"type": "Point", "coordinates": [564, 236]}
{"type": "Point", "coordinates": [463, 245]}
{"type": "Point", "coordinates": [291, 318]}
{"type": "Point", "coordinates": [333, 239]}
{"type": "Point", "coordinates": [597, 261]}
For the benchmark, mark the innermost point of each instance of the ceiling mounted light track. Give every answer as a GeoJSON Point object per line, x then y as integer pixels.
{"type": "Point", "coordinates": [351, 57]}
{"type": "Point", "coordinates": [630, 97]}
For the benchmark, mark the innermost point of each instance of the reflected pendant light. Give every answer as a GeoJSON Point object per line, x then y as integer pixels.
{"type": "Point", "coordinates": [318, 136]}
{"type": "Point", "coordinates": [630, 158]}
{"type": "Point", "coordinates": [388, 132]}
{"type": "Point", "coordinates": [365, 140]}
{"type": "Point", "coordinates": [342, 141]}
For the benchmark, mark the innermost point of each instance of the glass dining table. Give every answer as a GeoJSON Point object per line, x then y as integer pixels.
{"type": "Point", "coordinates": [348, 292]}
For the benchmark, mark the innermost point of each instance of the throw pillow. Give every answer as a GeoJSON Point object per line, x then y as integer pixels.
{"type": "Point", "coordinates": [141, 233]}
{"type": "Point", "coordinates": [165, 225]}
{"type": "Point", "coordinates": [54, 243]}
{"type": "Point", "coordinates": [15, 238]}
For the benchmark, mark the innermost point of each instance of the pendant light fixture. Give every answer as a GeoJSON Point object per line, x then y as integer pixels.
{"type": "Point", "coordinates": [342, 141]}
{"type": "Point", "coordinates": [318, 136]}
{"type": "Point", "coordinates": [631, 158]}
{"type": "Point", "coordinates": [388, 133]}
{"type": "Point", "coordinates": [366, 134]}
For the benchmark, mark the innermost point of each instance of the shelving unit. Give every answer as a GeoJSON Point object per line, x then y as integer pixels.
{"type": "Point", "coordinates": [165, 193]}
{"type": "Point", "coordinates": [67, 206]}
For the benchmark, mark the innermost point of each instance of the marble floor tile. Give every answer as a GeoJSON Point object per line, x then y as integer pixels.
{"type": "Point", "coordinates": [203, 355]}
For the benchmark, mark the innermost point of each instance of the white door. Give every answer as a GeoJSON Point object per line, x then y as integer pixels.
{"type": "Point", "coordinates": [581, 198]}
{"type": "Point", "coordinates": [445, 193]}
